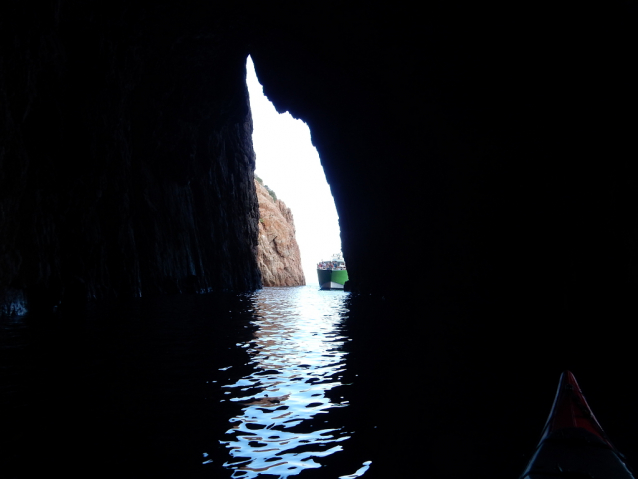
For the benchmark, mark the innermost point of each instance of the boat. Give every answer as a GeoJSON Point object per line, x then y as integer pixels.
{"type": "Point", "coordinates": [332, 273]}
{"type": "Point", "coordinates": [573, 444]}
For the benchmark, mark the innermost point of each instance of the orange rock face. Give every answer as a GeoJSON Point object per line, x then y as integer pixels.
{"type": "Point", "coordinates": [277, 251]}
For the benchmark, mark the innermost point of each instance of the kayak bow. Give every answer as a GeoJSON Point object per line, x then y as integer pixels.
{"type": "Point", "coordinates": [573, 444]}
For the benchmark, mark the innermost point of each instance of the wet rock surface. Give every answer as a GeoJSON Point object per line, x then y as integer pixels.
{"type": "Point", "coordinates": [278, 253]}
{"type": "Point", "coordinates": [126, 158]}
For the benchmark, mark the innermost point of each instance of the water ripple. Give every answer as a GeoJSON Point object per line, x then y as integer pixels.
{"type": "Point", "coordinates": [297, 356]}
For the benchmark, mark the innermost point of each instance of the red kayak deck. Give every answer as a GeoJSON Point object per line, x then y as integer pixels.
{"type": "Point", "coordinates": [573, 444]}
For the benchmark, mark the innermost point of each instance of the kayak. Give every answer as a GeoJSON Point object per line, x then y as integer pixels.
{"type": "Point", "coordinates": [573, 444]}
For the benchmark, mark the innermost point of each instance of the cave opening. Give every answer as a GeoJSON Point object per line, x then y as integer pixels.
{"type": "Point", "coordinates": [288, 163]}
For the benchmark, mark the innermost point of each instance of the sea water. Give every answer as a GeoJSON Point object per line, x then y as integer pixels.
{"type": "Point", "coordinates": [241, 386]}
{"type": "Point", "coordinates": [285, 382]}
{"type": "Point", "coordinates": [283, 423]}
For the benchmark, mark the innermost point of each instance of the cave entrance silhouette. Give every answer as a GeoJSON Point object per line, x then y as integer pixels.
{"type": "Point", "coordinates": [289, 164]}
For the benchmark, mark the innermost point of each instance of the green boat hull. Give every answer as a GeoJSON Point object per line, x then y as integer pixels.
{"type": "Point", "coordinates": [332, 279]}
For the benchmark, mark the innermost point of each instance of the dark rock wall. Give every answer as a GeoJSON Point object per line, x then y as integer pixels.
{"type": "Point", "coordinates": [126, 154]}
{"type": "Point", "coordinates": [489, 159]}
{"type": "Point", "coordinates": [486, 151]}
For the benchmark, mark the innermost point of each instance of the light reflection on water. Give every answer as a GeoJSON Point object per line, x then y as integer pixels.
{"type": "Point", "coordinates": [297, 355]}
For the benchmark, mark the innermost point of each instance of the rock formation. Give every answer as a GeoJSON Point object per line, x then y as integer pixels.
{"type": "Point", "coordinates": [104, 192]}
{"type": "Point", "coordinates": [278, 254]}
{"type": "Point", "coordinates": [126, 164]}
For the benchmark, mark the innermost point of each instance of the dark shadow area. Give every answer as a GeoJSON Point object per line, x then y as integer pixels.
{"type": "Point", "coordinates": [456, 391]}
{"type": "Point", "coordinates": [121, 390]}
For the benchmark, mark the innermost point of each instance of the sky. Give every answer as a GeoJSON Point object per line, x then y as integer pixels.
{"type": "Point", "coordinates": [289, 164]}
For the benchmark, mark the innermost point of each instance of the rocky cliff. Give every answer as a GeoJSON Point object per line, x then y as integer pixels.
{"type": "Point", "coordinates": [278, 254]}
{"type": "Point", "coordinates": [103, 191]}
